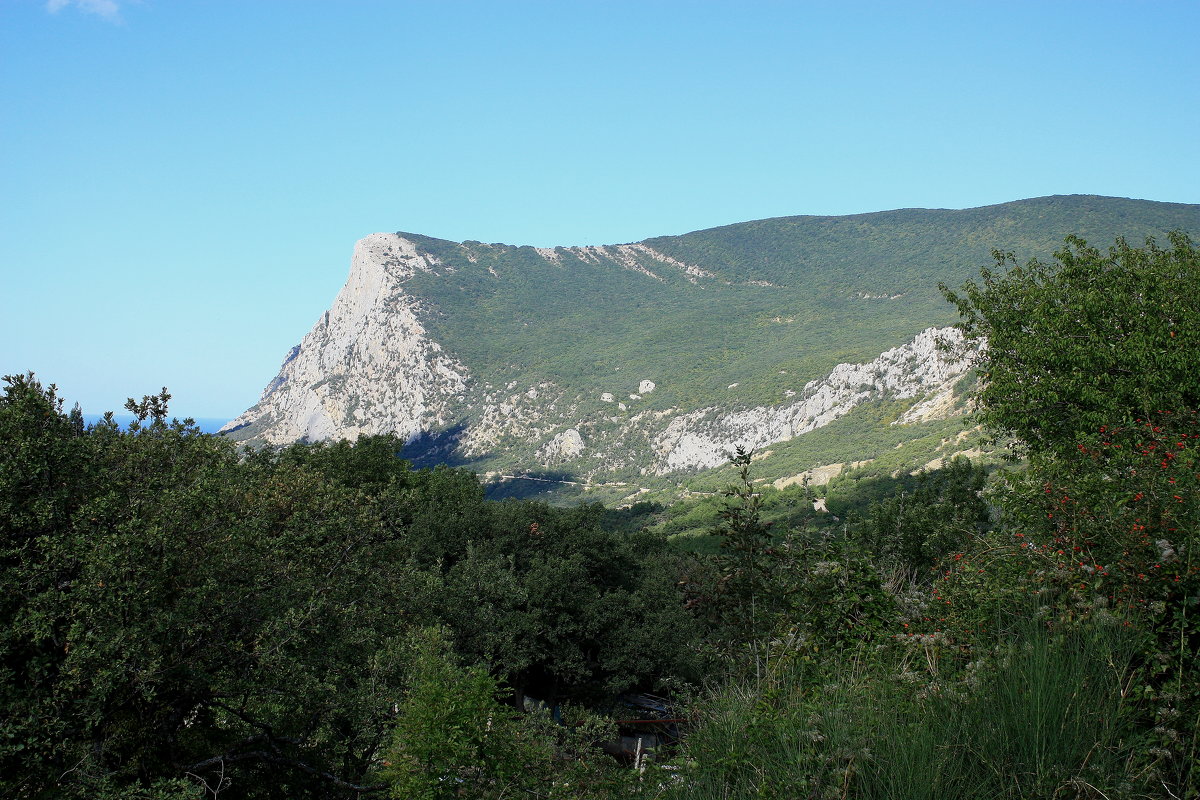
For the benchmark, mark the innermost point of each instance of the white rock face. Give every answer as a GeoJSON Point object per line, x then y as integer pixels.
{"type": "Point", "coordinates": [607, 397]}
{"type": "Point", "coordinates": [706, 438]}
{"type": "Point", "coordinates": [367, 366]}
{"type": "Point", "coordinates": [645, 387]}
{"type": "Point", "coordinates": [817, 476]}
{"type": "Point", "coordinates": [563, 447]}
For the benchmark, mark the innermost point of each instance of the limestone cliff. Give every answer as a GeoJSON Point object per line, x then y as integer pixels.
{"type": "Point", "coordinates": [367, 366]}
{"type": "Point", "coordinates": [612, 363]}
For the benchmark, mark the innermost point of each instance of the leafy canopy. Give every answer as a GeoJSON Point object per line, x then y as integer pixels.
{"type": "Point", "coordinates": [1089, 339]}
{"type": "Point", "coordinates": [174, 614]}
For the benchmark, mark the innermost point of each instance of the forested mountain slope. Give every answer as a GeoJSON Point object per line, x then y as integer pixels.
{"type": "Point", "coordinates": [612, 363]}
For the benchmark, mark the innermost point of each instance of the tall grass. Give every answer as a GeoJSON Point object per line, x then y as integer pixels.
{"type": "Point", "coordinates": [1055, 717]}
{"type": "Point", "coordinates": [1040, 713]}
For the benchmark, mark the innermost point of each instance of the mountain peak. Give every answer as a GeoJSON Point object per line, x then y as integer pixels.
{"type": "Point", "coordinates": [520, 358]}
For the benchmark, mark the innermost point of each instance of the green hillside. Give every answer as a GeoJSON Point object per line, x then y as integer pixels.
{"type": "Point", "coordinates": [841, 289]}
{"type": "Point", "coordinates": [733, 317]}
{"type": "Point", "coordinates": [550, 346]}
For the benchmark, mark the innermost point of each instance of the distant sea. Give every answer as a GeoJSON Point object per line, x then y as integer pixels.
{"type": "Point", "coordinates": [206, 424]}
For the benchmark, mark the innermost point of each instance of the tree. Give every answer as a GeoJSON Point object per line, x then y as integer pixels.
{"type": "Point", "coordinates": [559, 607]}
{"type": "Point", "coordinates": [170, 610]}
{"type": "Point", "coordinates": [1091, 339]}
{"type": "Point", "coordinates": [451, 732]}
{"type": "Point", "coordinates": [794, 583]}
{"type": "Point", "coordinates": [1092, 362]}
{"type": "Point", "coordinates": [749, 565]}
{"type": "Point", "coordinates": [913, 531]}
{"type": "Point", "coordinates": [177, 614]}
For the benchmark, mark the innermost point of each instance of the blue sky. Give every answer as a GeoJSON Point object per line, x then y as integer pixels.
{"type": "Point", "coordinates": [183, 181]}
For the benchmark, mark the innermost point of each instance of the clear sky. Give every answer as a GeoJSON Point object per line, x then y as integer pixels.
{"type": "Point", "coordinates": [182, 182]}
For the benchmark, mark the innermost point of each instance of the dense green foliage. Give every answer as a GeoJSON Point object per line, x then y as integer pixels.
{"type": "Point", "coordinates": [1091, 339]}
{"type": "Point", "coordinates": [944, 513]}
{"type": "Point", "coordinates": [451, 724]}
{"type": "Point", "coordinates": [173, 610]}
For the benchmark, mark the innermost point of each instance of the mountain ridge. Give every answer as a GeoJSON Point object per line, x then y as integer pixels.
{"type": "Point", "coordinates": [506, 357]}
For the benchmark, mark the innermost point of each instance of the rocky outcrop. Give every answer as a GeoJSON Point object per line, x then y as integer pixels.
{"type": "Point", "coordinates": [563, 447]}
{"type": "Point", "coordinates": [928, 365]}
{"type": "Point", "coordinates": [367, 366]}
